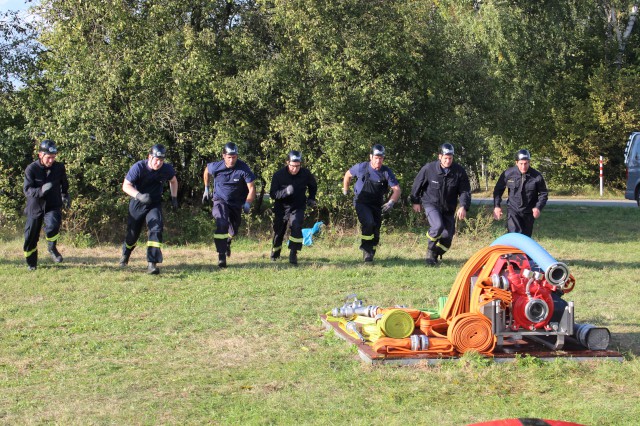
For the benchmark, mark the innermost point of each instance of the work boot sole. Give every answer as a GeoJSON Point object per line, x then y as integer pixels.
{"type": "Point", "coordinates": [153, 270]}
{"type": "Point", "coordinates": [57, 258]}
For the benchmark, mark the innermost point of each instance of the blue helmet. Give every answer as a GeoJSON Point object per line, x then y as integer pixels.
{"type": "Point", "coordinates": [523, 154]}
{"type": "Point", "coordinates": [48, 147]}
{"type": "Point", "coordinates": [158, 151]}
{"type": "Point", "coordinates": [446, 149]}
{"type": "Point", "coordinates": [378, 150]}
{"type": "Point", "coordinates": [230, 148]}
{"type": "Point", "coordinates": [294, 156]}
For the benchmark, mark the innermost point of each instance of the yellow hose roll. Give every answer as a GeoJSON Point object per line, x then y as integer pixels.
{"type": "Point", "coordinates": [397, 324]}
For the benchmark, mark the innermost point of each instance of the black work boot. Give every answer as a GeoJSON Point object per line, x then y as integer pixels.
{"type": "Point", "coordinates": [124, 260]}
{"type": "Point", "coordinates": [293, 257]}
{"type": "Point", "coordinates": [222, 260]}
{"type": "Point", "coordinates": [152, 269]}
{"type": "Point", "coordinates": [228, 252]}
{"type": "Point", "coordinates": [367, 256]}
{"type": "Point", "coordinates": [275, 255]}
{"type": "Point", "coordinates": [32, 261]}
{"type": "Point", "coordinates": [432, 258]}
{"type": "Point", "coordinates": [53, 251]}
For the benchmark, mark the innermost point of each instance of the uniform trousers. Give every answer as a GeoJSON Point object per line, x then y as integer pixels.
{"type": "Point", "coordinates": [442, 227]}
{"type": "Point", "coordinates": [228, 220]}
{"type": "Point", "coordinates": [370, 217]}
{"type": "Point", "coordinates": [52, 221]}
{"type": "Point", "coordinates": [139, 214]}
{"type": "Point", "coordinates": [288, 218]}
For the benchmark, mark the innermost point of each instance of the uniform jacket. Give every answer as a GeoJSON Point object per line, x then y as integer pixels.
{"type": "Point", "coordinates": [149, 181]}
{"type": "Point", "coordinates": [301, 181]}
{"type": "Point", "coordinates": [525, 194]}
{"type": "Point", "coordinates": [433, 187]}
{"type": "Point", "coordinates": [36, 175]}
{"type": "Point", "coordinates": [372, 185]}
{"type": "Point", "coordinates": [230, 185]}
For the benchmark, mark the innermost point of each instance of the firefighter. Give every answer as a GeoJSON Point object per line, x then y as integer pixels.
{"type": "Point", "coordinates": [144, 184]}
{"type": "Point", "coordinates": [437, 188]}
{"type": "Point", "coordinates": [47, 190]}
{"type": "Point", "coordinates": [527, 194]}
{"type": "Point", "coordinates": [234, 191]}
{"type": "Point", "coordinates": [289, 186]}
{"type": "Point", "coordinates": [372, 185]}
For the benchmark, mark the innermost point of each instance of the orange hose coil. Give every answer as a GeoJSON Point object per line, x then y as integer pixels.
{"type": "Point", "coordinates": [471, 332]}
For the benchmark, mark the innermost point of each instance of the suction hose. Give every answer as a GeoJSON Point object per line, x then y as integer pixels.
{"type": "Point", "coordinates": [555, 272]}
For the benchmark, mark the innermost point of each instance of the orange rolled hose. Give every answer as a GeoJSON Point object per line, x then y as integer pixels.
{"type": "Point", "coordinates": [471, 332]}
{"type": "Point", "coordinates": [402, 347]}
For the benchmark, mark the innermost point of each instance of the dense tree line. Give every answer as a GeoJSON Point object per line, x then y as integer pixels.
{"type": "Point", "coordinates": [106, 80]}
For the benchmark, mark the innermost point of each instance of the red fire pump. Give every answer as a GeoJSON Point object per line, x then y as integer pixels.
{"type": "Point", "coordinates": [532, 304]}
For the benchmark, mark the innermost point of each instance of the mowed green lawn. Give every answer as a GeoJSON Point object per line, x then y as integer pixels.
{"type": "Point", "coordinates": [87, 343]}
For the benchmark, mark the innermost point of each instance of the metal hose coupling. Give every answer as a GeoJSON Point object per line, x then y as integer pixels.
{"type": "Point", "coordinates": [557, 273]}
{"type": "Point", "coordinates": [348, 311]}
{"type": "Point", "coordinates": [419, 342]}
{"type": "Point", "coordinates": [353, 328]}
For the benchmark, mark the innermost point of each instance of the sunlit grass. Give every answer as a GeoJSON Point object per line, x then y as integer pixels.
{"type": "Point", "coordinates": [85, 342]}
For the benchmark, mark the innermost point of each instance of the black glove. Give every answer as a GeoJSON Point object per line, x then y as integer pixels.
{"type": "Point", "coordinates": [66, 200]}
{"type": "Point", "coordinates": [174, 203]}
{"type": "Point", "coordinates": [311, 203]}
{"type": "Point", "coordinates": [143, 198]}
{"type": "Point", "coordinates": [45, 188]}
{"type": "Point", "coordinates": [246, 207]}
{"type": "Point", "coordinates": [288, 190]}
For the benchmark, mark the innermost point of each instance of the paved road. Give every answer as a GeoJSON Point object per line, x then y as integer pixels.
{"type": "Point", "coordinates": [567, 201]}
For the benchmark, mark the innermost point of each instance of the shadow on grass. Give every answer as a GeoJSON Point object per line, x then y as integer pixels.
{"type": "Point", "coordinates": [621, 225]}
{"type": "Point", "coordinates": [625, 342]}
{"type": "Point", "coordinates": [594, 264]}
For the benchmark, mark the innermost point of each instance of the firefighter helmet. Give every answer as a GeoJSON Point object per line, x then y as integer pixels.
{"type": "Point", "coordinates": [230, 148]}
{"type": "Point", "coordinates": [295, 156]}
{"type": "Point", "coordinates": [523, 154]}
{"type": "Point", "coordinates": [446, 149]}
{"type": "Point", "coordinates": [48, 147]}
{"type": "Point", "coordinates": [158, 151]}
{"type": "Point", "coordinates": [378, 150]}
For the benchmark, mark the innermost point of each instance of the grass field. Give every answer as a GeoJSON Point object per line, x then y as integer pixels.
{"type": "Point", "coordinates": [87, 343]}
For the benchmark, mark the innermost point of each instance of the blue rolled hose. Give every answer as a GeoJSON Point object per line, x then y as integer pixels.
{"type": "Point", "coordinates": [555, 272]}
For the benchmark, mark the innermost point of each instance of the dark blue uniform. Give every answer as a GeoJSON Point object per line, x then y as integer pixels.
{"type": "Point", "coordinates": [289, 209]}
{"type": "Point", "coordinates": [370, 190]}
{"type": "Point", "coordinates": [43, 208]}
{"type": "Point", "coordinates": [526, 191]}
{"type": "Point", "coordinates": [229, 194]}
{"type": "Point", "coordinates": [147, 181]}
{"type": "Point", "coordinates": [438, 190]}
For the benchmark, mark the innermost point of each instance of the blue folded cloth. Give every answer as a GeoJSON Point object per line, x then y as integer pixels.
{"type": "Point", "coordinates": [307, 233]}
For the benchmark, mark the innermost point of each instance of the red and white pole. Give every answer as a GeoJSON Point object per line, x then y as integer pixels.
{"type": "Point", "coordinates": [601, 178]}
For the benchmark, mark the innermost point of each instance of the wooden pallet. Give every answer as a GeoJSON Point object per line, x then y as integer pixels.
{"type": "Point", "coordinates": [507, 353]}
